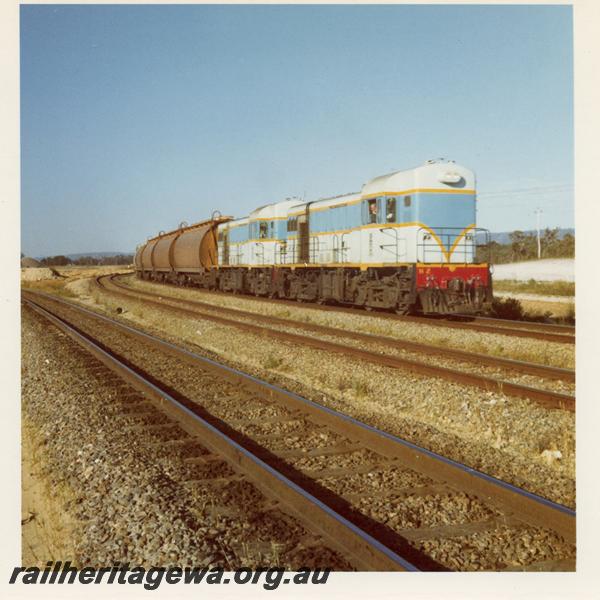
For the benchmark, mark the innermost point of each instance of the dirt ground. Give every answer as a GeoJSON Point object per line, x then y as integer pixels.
{"type": "Point", "coordinates": [47, 531]}
{"type": "Point", "coordinates": [46, 528]}
{"type": "Point", "coordinates": [58, 279]}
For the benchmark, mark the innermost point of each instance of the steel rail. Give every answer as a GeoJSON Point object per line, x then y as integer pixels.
{"type": "Point", "coordinates": [506, 327]}
{"type": "Point", "coordinates": [531, 325]}
{"type": "Point", "coordinates": [428, 349]}
{"type": "Point", "coordinates": [519, 503]}
{"type": "Point", "coordinates": [364, 551]}
{"type": "Point", "coordinates": [547, 398]}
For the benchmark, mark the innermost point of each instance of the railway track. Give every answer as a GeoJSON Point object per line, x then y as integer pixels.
{"type": "Point", "coordinates": [383, 502]}
{"type": "Point", "coordinates": [567, 330]}
{"type": "Point", "coordinates": [545, 397]}
{"type": "Point", "coordinates": [549, 332]}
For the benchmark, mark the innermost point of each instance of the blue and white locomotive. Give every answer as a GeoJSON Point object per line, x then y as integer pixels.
{"type": "Point", "coordinates": [406, 242]}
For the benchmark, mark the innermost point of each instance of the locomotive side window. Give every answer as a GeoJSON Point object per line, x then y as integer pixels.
{"type": "Point", "coordinates": [390, 210]}
{"type": "Point", "coordinates": [372, 210]}
{"type": "Point", "coordinates": [263, 229]}
{"type": "Point", "coordinates": [292, 224]}
{"type": "Point", "coordinates": [407, 200]}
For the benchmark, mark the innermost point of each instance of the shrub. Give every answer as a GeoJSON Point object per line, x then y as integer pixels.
{"type": "Point", "coordinates": [508, 308]}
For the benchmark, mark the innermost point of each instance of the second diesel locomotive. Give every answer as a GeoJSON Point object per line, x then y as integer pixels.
{"type": "Point", "coordinates": [406, 242]}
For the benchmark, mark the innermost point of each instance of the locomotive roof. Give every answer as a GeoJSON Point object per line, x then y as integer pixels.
{"type": "Point", "coordinates": [276, 209]}
{"type": "Point", "coordinates": [434, 174]}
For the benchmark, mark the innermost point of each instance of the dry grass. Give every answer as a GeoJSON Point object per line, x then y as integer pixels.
{"type": "Point", "coordinates": [48, 529]}
{"type": "Point", "coordinates": [51, 286]}
{"type": "Point", "coordinates": [557, 310]}
{"type": "Point", "coordinates": [68, 275]}
{"type": "Point", "coordinates": [273, 362]}
{"type": "Point", "coordinates": [544, 288]}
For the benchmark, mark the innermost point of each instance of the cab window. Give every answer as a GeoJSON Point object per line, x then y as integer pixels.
{"type": "Point", "coordinates": [390, 210]}
{"type": "Point", "coordinates": [372, 211]}
{"type": "Point", "coordinates": [263, 230]}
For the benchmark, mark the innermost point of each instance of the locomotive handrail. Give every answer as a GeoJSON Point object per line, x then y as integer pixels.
{"type": "Point", "coordinates": [281, 251]}
{"type": "Point", "coordinates": [395, 244]}
{"type": "Point", "coordinates": [335, 249]}
{"type": "Point", "coordinates": [257, 254]}
{"type": "Point", "coordinates": [314, 241]}
{"type": "Point", "coordinates": [343, 247]}
{"type": "Point", "coordinates": [450, 241]}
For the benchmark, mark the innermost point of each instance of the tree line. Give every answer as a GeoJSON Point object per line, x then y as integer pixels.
{"type": "Point", "coordinates": [523, 246]}
{"type": "Point", "coordinates": [62, 261]}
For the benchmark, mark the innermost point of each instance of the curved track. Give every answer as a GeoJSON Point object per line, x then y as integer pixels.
{"type": "Point", "coordinates": [548, 398]}
{"type": "Point", "coordinates": [306, 477]}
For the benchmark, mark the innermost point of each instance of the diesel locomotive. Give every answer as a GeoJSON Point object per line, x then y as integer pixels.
{"type": "Point", "coordinates": [407, 242]}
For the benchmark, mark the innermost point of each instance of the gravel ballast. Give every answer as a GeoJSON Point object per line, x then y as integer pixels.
{"type": "Point", "coordinates": [513, 439]}
{"type": "Point", "coordinates": [133, 500]}
{"type": "Point", "coordinates": [420, 510]}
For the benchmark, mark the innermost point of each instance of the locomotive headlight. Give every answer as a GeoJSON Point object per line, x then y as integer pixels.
{"type": "Point", "coordinates": [450, 177]}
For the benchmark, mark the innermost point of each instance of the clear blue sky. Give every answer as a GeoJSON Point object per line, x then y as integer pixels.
{"type": "Point", "coordinates": [134, 118]}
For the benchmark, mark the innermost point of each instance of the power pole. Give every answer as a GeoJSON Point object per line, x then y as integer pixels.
{"type": "Point", "coordinates": [538, 211]}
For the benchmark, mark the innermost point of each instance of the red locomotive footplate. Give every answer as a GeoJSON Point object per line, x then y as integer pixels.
{"type": "Point", "coordinates": [439, 275]}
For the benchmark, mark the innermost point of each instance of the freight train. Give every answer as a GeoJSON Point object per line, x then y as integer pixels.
{"type": "Point", "coordinates": [407, 242]}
